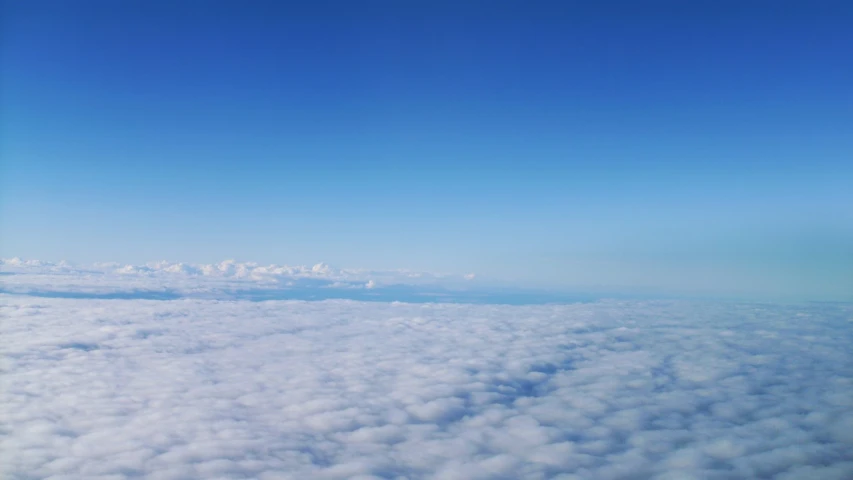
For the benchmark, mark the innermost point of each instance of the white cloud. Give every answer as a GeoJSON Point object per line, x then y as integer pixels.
{"type": "Point", "coordinates": [204, 388]}
{"type": "Point", "coordinates": [34, 276]}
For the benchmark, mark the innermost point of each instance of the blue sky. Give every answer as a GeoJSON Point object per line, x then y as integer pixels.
{"type": "Point", "coordinates": [667, 145]}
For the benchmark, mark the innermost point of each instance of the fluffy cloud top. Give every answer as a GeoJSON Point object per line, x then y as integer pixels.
{"type": "Point", "coordinates": [247, 280]}
{"type": "Point", "coordinates": [203, 388]}
{"type": "Point", "coordinates": [226, 269]}
{"type": "Point", "coordinates": [237, 279]}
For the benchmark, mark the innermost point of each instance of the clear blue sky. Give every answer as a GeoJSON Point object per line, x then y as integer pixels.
{"type": "Point", "coordinates": [677, 145]}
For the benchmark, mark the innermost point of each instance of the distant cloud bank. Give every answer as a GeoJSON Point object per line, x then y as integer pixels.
{"type": "Point", "coordinates": [250, 281]}
{"type": "Point", "coordinates": [230, 269]}
{"type": "Point", "coordinates": [244, 280]}
{"type": "Point", "coordinates": [205, 388]}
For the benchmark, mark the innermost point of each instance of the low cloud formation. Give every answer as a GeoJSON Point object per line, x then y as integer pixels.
{"type": "Point", "coordinates": [194, 388]}
{"type": "Point", "coordinates": [228, 269]}
{"type": "Point", "coordinates": [250, 281]}
{"type": "Point", "coordinates": [246, 280]}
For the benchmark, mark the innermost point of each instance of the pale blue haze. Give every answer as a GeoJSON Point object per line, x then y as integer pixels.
{"type": "Point", "coordinates": [673, 146]}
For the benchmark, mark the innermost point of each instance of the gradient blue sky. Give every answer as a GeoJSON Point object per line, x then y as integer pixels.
{"type": "Point", "coordinates": [685, 146]}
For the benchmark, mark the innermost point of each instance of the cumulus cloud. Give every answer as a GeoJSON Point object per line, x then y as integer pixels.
{"type": "Point", "coordinates": [34, 276]}
{"type": "Point", "coordinates": [205, 388]}
{"type": "Point", "coordinates": [250, 281]}
{"type": "Point", "coordinates": [226, 269]}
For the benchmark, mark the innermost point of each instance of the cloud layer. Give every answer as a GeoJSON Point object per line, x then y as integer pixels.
{"type": "Point", "coordinates": [246, 272]}
{"type": "Point", "coordinates": [250, 281]}
{"type": "Point", "coordinates": [196, 388]}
